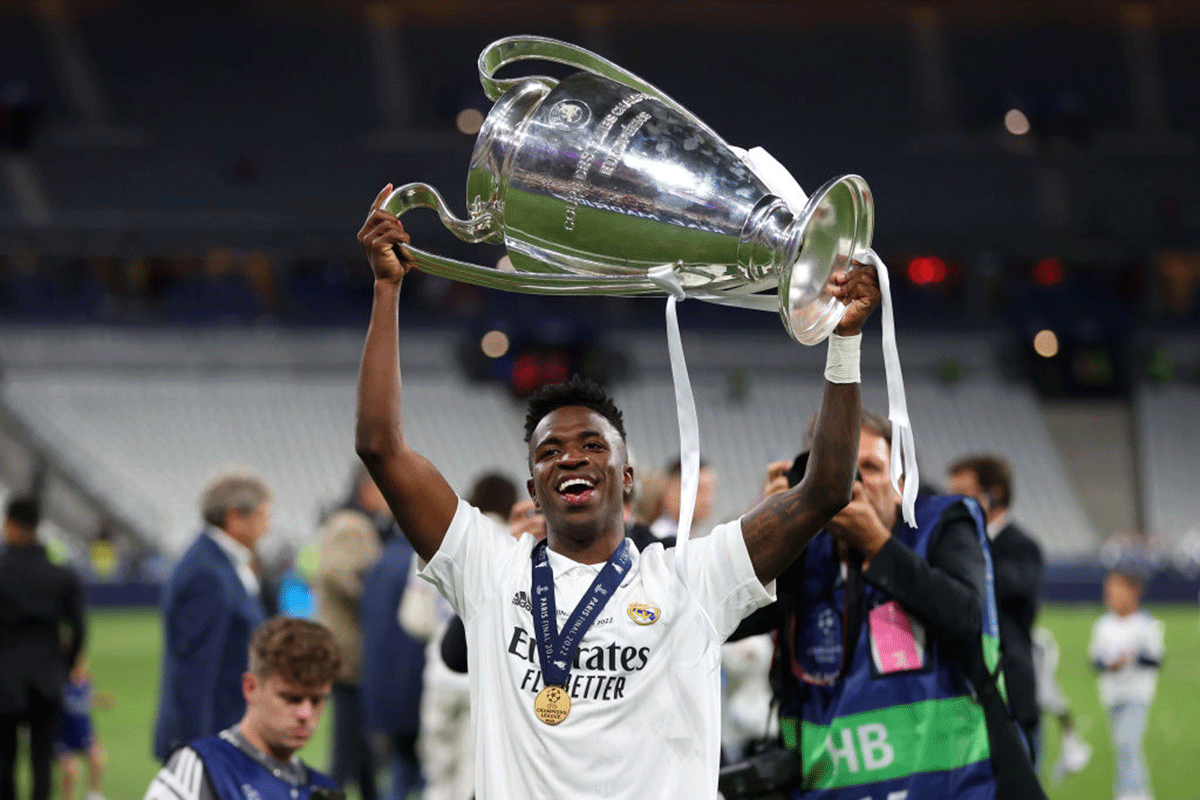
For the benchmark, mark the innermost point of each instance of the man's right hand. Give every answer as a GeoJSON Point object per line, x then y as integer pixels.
{"type": "Point", "coordinates": [381, 236]}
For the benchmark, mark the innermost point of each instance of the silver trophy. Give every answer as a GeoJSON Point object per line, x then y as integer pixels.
{"type": "Point", "coordinates": [593, 181]}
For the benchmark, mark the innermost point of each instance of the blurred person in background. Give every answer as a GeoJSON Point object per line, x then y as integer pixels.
{"type": "Point", "coordinates": [446, 743]}
{"type": "Point", "coordinates": [349, 543]}
{"type": "Point", "coordinates": [77, 737]}
{"type": "Point", "coordinates": [37, 600]}
{"type": "Point", "coordinates": [888, 656]}
{"type": "Point", "coordinates": [289, 676]}
{"type": "Point", "coordinates": [392, 666]}
{"type": "Point", "coordinates": [1126, 650]}
{"type": "Point", "coordinates": [210, 608]}
{"type": "Point", "coordinates": [643, 505]}
{"type": "Point", "coordinates": [1018, 566]}
{"type": "Point", "coordinates": [1074, 753]}
{"type": "Point", "coordinates": [666, 526]}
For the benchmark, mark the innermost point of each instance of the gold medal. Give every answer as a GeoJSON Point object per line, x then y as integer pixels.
{"type": "Point", "coordinates": [552, 705]}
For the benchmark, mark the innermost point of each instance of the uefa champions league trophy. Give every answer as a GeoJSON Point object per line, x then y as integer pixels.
{"type": "Point", "coordinates": [595, 181]}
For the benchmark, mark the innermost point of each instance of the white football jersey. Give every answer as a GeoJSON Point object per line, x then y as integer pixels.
{"type": "Point", "coordinates": [645, 715]}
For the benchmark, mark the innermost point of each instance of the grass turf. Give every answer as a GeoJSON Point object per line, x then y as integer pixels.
{"type": "Point", "coordinates": [125, 647]}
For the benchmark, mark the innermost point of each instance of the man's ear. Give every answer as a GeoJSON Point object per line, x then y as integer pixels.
{"type": "Point", "coordinates": [249, 684]}
{"type": "Point", "coordinates": [628, 480]}
{"type": "Point", "coordinates": [532, 492]}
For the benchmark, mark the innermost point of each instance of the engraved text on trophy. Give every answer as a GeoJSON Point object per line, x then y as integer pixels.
{"type": "Point", "coordinates": [588, 156]}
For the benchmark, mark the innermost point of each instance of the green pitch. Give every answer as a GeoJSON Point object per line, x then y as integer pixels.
{"type": "Point", "coordinates": [125, 649]}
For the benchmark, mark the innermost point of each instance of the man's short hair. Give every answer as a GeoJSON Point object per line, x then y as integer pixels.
{"type": "Point", "coordinates": [494, 493]}
{"type": "Point", "coordinates": [575, 392]}
{"type": "Point", "coordinates": [297, 650]}
{"type": "Point", "coordinates": [25, 512]}
{"type": "Point", "coordinates": [236, 490]}
{"type": "Point", "coordinates": [879, 425]}
{"type": "Point", "coordinates": [993, 474]}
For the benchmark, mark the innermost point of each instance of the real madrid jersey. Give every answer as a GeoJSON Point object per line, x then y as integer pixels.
{"type": "Point", "coordinates": [644, 719]}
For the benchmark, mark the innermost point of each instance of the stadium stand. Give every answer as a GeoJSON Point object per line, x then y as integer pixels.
{"type": "Point", "coordinates": [150, 425]}
{"type": "Point", "coordinates": [150, 443]}
{"type": "Point", "coordinates": [1169, 441]}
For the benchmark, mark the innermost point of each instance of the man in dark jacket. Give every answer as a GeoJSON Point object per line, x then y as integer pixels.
{"type": "Point", "coordinates": [1018, 565]}
{"type": "Point", "coordinates": [211, 608]}
{"type": "Point", "coordinates": [36, 597]}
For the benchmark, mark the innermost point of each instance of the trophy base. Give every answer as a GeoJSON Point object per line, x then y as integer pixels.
{"type": "Point", "coordinates": [837, 222]}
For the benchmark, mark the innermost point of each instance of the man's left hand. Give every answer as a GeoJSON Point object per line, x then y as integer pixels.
{"type": "Point", "coordinates": [858, 289]}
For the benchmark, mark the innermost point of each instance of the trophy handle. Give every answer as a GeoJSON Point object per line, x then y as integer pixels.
{"type": "Point", "coordinates": [478, 229]}
{"type": "Point", "coordinates": [511, 49]}
{"type": "Point", "coordinates": [421, 195]}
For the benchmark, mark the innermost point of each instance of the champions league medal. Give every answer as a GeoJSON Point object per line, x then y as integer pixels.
{"type": "Point", "coordinates": [555, 652]}
{"type": "Point", "coordinates": [552, 704]}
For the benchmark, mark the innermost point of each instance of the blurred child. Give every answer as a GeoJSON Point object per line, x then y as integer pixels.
{"type": "Point", "coordinates": [1127, 650]}
{"type": "Point", "coordinates": [1074, 752]}
{"type": "Point", "coordinates": [76, 736]}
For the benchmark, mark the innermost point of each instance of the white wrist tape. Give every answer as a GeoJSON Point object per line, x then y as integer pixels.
{"type": "Point", "coordinates": [841, 359]}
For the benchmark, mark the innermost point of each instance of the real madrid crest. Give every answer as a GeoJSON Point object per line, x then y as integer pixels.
{"type": "Point", "coordinates": [643, 614]}
{"type": "Point", "coordinates": [569, 114]}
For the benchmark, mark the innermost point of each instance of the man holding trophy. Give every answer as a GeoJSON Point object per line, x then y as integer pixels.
{"type": "Point", "coordinates": [595, 669]}
{"type": "Point", "coordinates": [621, 698]}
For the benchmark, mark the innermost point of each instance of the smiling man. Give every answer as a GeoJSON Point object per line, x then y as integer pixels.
{"type": "Point", "coordinates": [292, 666]}
{"type": "Point", "coordinates": [594, 668]}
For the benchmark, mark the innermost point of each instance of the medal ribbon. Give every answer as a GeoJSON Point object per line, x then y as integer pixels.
{"type": "Point", "coordinates": [554, 651]}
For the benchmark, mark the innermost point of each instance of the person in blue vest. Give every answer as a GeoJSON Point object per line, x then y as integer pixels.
{"type": "Point", "coordinates": [887, 665]}
{"type": "Point", "coordinates": [292, 664]}
{"type": "Point", "coordinates": [211, 606]}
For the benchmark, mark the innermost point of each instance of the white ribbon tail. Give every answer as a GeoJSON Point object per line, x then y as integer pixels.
{"type": "Point", "coordinates": [904, 451]}
{"type": "Point", "coordinates": [685, 406]}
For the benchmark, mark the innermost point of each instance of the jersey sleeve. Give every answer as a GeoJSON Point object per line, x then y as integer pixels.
{"type": "Point", "coordinates": [183, 777]}
{"type": "Point", "coordinates": [722, 578]}
{"type": "Point", "coordinates": [466, 566]}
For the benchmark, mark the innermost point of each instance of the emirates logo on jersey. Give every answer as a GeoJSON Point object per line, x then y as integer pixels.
{"type": "Point", "coordinates": [643, 614]}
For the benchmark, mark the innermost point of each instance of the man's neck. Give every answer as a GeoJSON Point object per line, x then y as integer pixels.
{"type": "Point", "coordinates": [593, 551]}
{"type": "Point", "coordinates": [260, 744]}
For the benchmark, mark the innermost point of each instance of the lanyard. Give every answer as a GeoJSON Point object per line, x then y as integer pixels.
{"type": "Point", "coordinates": [554, 651]}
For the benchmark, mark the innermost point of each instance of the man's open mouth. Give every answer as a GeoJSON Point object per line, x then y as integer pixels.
{"type": "Point", "coordinates": [576, 490]}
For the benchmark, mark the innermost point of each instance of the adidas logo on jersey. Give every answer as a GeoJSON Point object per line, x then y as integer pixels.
{"type": "Point", "coordinates": [521, 599]}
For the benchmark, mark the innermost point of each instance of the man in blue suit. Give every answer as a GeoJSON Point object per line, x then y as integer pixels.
{"type": "Point", "coordinates": [392, 668]}
{"type": "Point", "coordinates": [210, 610]}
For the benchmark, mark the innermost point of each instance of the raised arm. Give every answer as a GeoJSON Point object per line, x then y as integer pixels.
{"type": "Point", "coordinates": [420, 498]}
{"type": "Point", "coordinates": [782, 524]}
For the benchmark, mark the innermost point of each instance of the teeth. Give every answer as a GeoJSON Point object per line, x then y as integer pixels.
{"type": "Point", "coordinates": [571, 483]}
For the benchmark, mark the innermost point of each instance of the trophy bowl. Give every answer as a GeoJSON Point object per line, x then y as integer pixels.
{"type": "Point", "coordinates": [593, 181]}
